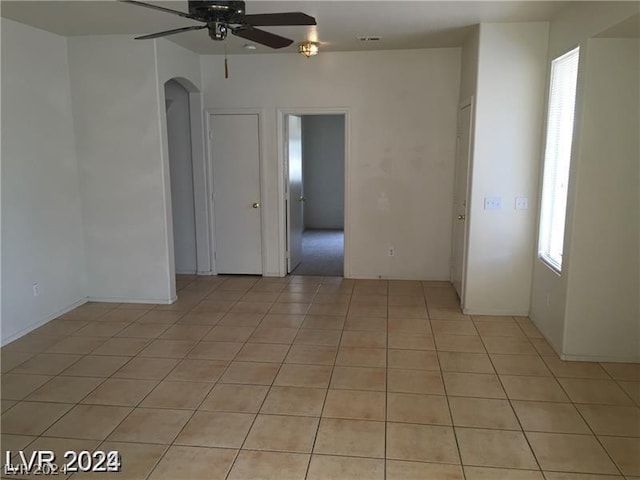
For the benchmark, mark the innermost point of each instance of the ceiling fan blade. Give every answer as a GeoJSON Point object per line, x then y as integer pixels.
{"type": "Point", "coordinates": [162, 9]}
{"type": "Point", "coordinates": [170, 32]}
{"type": "Point", "coordinates": [279, 19]}
{"type": "Point", "coordinates": [260, 36]}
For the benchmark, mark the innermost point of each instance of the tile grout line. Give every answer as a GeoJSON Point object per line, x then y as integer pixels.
{"type": "Point", "coordinates": [172, 443]}
{"type": "Point", "coordinates": [168, 446]}
{"type": "Point", "coordinates": [240, 449]}
{"type": "Point", "coordinates": [326, 393]}
{"type": "Point", "coordinates": [386, 392]}
{"type": "Point", "coordinates": [446, 396]}
{"type": "Point", "coordinates": [508, 398]}
{"type": "Point", "coordinates": [593, 433]}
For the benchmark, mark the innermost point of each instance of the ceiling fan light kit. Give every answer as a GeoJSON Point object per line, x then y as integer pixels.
{"type": "Point", "coordinates": [221, 17]}
{"type": "Point", "coordinates": [217, 31]}
{"type": "Point", "coordinates": [309, 49]}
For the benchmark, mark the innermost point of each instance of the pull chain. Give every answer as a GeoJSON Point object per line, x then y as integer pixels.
{"type": "Point", "coordinates": [226, 65]}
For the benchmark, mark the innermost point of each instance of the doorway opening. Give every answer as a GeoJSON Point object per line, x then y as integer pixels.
{"type": "Point", "coordinates": [179, 138]}
{"type": "Point", "coordinates": [315, 186]}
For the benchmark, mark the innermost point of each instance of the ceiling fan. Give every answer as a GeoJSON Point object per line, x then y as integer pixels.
{"type": "Point", "coordinates": [220, 17]}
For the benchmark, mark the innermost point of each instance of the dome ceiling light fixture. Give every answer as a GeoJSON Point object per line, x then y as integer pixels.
{"type": "Point", "coordinates": [309, 49]}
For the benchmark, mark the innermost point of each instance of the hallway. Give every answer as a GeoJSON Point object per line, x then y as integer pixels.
{"type": "Point", "coordinates": [322, 253]}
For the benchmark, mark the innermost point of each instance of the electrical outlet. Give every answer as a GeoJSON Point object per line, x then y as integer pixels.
{"type": "Point", "coordinates": [36, 289]}
{"type": "Point", "coordinates": [392, 251]}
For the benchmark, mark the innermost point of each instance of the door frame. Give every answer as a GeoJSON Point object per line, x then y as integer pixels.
{"type": "Point", "coordinates": [287, 183]}
{"type": "Point", "coordinates": [468, 102]}
{"type": "Point", "coordinates": [209, 180]}
{"type": "Point", "coordinates": [283, 190]}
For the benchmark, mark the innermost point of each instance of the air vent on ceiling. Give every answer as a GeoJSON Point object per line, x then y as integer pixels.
{"type": "Point", "coordinates": [369, 38]}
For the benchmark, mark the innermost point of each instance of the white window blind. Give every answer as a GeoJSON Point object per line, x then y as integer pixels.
{"type": "Point", "coordinates": [557, 157]}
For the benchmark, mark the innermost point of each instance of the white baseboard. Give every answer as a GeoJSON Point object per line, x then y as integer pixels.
{"type": "Point", "coordinates": [588, 358]}
{"type": "Point", "coordinates": [159, 301]}
{"type": "Point", "coordinates": [42, 321]}
{"type": "Point", "coordinates": [598, 358]}
{"type": "Point", "coordinates": [391, 277]}
{"type": "Point", "coordinates": [498, 313]}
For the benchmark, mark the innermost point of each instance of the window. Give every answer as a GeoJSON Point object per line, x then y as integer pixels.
{"type": "Point", "coordinates": [557, 157]}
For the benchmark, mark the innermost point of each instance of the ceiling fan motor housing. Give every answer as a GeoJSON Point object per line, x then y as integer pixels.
{"type": "Point", "coordinates": [218, 11]}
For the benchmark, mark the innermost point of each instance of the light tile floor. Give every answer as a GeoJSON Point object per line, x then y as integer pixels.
{"type": "Point", "coordinates": [316, 378]}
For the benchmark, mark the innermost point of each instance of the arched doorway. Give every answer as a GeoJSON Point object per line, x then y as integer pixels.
{"type": "Point", "coordinates": [181, 169]}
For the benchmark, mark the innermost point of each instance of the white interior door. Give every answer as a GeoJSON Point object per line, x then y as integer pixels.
{"type": "Point", "coordinates": [460, 201]}
{"type": "Point", "coordinates": [235, 154]}
{"type": "Point", "coordinates": [295, 196]}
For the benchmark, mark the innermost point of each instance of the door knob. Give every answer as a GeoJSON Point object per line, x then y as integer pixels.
{"type": "Point", "coordinates": [256, 205]}
{"type": "Point", "coordinates": [461, 217]}
{"type": "Point", "coordinates": [302, 199]}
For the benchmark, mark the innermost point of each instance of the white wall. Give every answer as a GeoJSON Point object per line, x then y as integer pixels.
{"type": "Point", "coordinates": [42, 240]}
{"type": "Point", "coordinates": [117, 109]}
{"type": "Point", "coordinates": [603, 316]}
{"type": "Point", "coordinates": [506, 153]}
{"type": "Point", "coordinates": [175, 61]}
{"type": "Point", "coordinates": [87, 211]}
{"type": "Point", "coordinates": [400, 166]}
{"type": "Point", "coordinates": [182, 207]}
{"type": "Point", "coordinates": [572, 26]}
{"type": "Point", "coordinates": [323, 171]}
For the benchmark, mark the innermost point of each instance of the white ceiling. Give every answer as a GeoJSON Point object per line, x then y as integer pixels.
{"type": "Point", "coordinates": [401, 24]}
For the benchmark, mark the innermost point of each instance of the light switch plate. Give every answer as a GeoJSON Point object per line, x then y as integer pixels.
{"type": "Point", "coordinates": [493, 203]}
{"type": "Point", "coordinates": [522, 203]}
